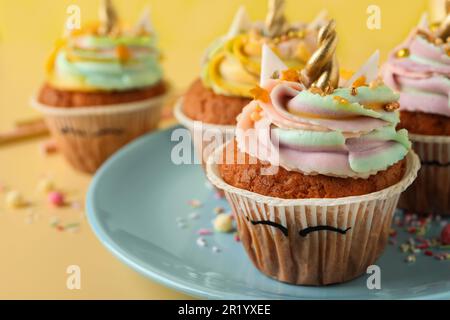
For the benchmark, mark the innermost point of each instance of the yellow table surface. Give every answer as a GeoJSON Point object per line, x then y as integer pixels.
{"type": "Point", "coordinates": [33, 255]}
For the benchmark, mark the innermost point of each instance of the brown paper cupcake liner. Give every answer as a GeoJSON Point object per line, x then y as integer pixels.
{"type": "Point", "coordinates": [87, 136]}
{"type": "Point", "coordinates": [430, 193]}
{"type": "Point", "coordinates": [320, 241]}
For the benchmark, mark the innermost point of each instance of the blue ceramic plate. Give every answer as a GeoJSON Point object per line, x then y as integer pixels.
{"type": "Point", "coordinates": [138, 207]}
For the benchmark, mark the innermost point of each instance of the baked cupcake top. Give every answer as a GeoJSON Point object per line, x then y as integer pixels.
{"type": "Point", "coordinates": [232, 65]}
{"type": "Point", "coordinates": [306, 122]}
{"type": "Point", "coordinates": [106, 56]}
{"type": "Point", "coordinates": [419, 69]}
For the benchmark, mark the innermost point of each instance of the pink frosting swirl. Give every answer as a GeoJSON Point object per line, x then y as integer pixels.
{"type": "Point", "coordinates": [422, 77]}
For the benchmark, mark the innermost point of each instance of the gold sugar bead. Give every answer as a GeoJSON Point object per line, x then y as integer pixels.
{"type": "Point", "coordinates": [402, 53]}
{"type": "Point", "coordinates": [391, 106]}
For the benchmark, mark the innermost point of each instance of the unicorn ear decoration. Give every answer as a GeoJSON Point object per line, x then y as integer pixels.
{"type": "Point", "coordinates": [423, 22]}
{"type": "Point", "coordinates": [369, 70]}
{"type": "Point", "coordinates": [241, 22]}
{"type": "Point", "coordinates": [144, 24]}
{"type": "Point", "coordinates": [270, 64]}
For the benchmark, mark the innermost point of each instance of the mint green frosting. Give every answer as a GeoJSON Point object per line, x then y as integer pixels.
{"type": "Point", "coordinates": [91, 62]}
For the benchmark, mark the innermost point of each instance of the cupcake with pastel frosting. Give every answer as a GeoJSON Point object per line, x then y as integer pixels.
{"type": "Point", "coordinates": [419, 69]}
{"type": "Point", "coordinates": [104, 86]}
{"type": "Point", "coordinates": [316, 168]}
{"type": "Point", "coordinates": [231, 66]}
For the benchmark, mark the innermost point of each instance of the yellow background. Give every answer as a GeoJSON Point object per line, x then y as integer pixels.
{"type": "Point", "coordinates": [34, 256]}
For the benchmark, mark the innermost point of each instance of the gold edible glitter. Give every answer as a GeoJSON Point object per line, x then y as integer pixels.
{"type": "Point", "coordinates": [122, 53]}
{"type": "Point", "coordinates": [340, 100]}
{"type": "Point", "coordinates": [290, 75]}
{"type": "Point", "coordinates": [255, 116]}
{"type": "Point", "coordinates": [361, 81]}
{"type": "Point", "coordinates": [260, 94]}
{"type": "Point", "coordinates": [354, 91]}
{"type": "Point", "coordinates": [316, 90]}
{"type": "Point", "coordinates": [402, 53]}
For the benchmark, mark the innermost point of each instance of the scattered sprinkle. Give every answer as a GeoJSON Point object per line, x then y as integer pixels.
{"type": "Point", "coordinates": [204, 232]}
{"type": "Point", "coordinates": [392, 241]}
{"type": "Point", "coordinates": [76, 205]}
{"type": "Point", "coordinates": [181, 225]}
{"type": "Point", "coordinates": [46, 185]}
{"type": "Point", "coordinates": [218, 195]}
{"type": "Point", "coordinates": [201, 242]}
{"type": "Point", "coordinates": [393, 233]}
{"type": "Point", "coordinates": [428, 253]}
{"type": "Point", "coordinates": [216, 249]}
{"type": "Point", "coordinates": [54, 221]}
{"type": "Point", "coordinates": [49, 147]}
{"type": "Point", "coordinates": [410, 258]}
{"type": "Point", "coordinates": [445, 235]}
{"type": "Point", "coordinates": [195, 203]}
{"type": "Point", "coordinates": [14, 199]}
{"type": "Point", "coordinates": [236, 237]}
{"type": "Point", "coordinates": [72, 227]}
{"type": "Point", "coordinates": [56, 199]}
{"type": "Point", "coordinates": [218, 210]}
{"type": "Point", "coordinates": [223, 223]}
{"type": "Point", "coordinates": [194, 215]}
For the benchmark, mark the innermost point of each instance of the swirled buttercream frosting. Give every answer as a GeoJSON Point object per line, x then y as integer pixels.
{"type": "Point", "coordinates": [85, 60]}
{"type": "Point", "coordinates": [343, 132]}
{"type": "Point", "coordinates": [419, 69]}
{"type": "Point", "coordinates": [231, 65]}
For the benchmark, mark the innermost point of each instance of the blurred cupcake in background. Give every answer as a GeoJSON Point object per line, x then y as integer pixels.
{"type": "Point", "coordinates": [317, 168]}
{"type": "Point", "coordinates": [104, 87]}
{"type": "Point", "coordinates": [419, 69]}
{"type": "Point", "coordinates": [231, 68]}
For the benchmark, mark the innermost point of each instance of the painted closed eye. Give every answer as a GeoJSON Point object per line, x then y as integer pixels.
{"type": "Point", "coordinates": [283, 229]}
{"type": "Point", "coordinates": [306, 231]}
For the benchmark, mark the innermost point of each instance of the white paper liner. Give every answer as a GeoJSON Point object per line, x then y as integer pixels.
{"type": "Point", "coordinates": [430, 193]}
{"type": "Point", "coordinates": [202, 132]}
{"type": "Point", "coordinates": [322, 257]}
{"type": "Point", "coordinates": [87, 136]}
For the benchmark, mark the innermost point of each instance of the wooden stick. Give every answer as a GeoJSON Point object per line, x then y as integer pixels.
{"type": "Point", "coordinates": [25, 129]}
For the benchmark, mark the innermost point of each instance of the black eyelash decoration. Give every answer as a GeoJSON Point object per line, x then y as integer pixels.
{"type": "Point", "coordinates": [101, 132]}
{"type": "Point", "coordinates": [111, 131]}
{"type": "Point", "coordinates": [283, 229]}
{"type": "Point", "coordinates": [304, 232]}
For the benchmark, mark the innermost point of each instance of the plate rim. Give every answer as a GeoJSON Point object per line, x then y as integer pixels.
{"type": "Point", "coordinates": [166, 279]}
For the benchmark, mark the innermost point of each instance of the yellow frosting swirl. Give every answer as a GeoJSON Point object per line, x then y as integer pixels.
{"type": "Point", "coordinates": [232, 67]}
